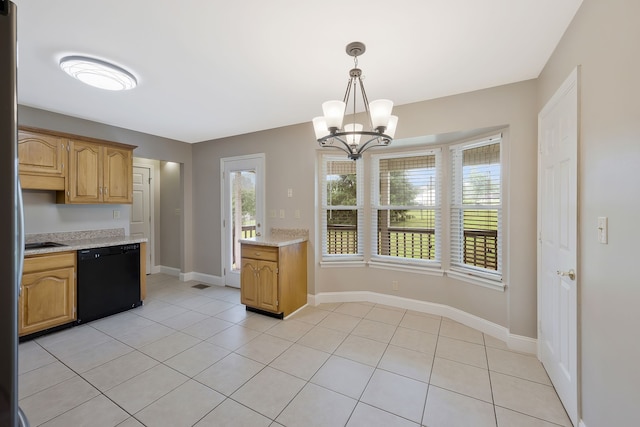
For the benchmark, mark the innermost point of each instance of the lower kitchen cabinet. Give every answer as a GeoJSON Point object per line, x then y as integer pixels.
{"type": "Point", "coordinates": [274, 279]}
{"type": "Point", "coordinates": [48, 296]}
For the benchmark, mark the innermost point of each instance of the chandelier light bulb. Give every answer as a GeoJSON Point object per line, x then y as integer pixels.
{"type": "Point", "coordinates": [320, 127]}
{"type": "Point", "coordinates": [355, 138]}
{"type": "Point", "coordinates": [380, 112]}
{"type": "Point", "coordinates": [391, 126]}
{"type": "Point", "coordinates": [333, 113]}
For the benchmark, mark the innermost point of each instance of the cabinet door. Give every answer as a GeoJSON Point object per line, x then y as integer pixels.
{"type": "Point", "coordinates": [47, 300]}
{"type": "Point", "coordinates": [118, 175]}
{"type": "Point", "coordinates": [42, 161]}
{"type": "Point", "coordinates": [268, 286]}
{"type": "Point", "coordinates": [84, 183]}
{"type": "Point", "coordinates": [249, 282]}
{"type": "Point", "coordinates": [41, 154]}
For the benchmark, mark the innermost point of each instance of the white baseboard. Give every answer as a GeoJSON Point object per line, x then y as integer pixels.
{"type": "Point", "coordinates": [156, 269]}
{"type": "Point", "coordinates": [581, 424]}
{"type": "Point", "coordinates": [514, 342]}
{"type": "Point", "coordinates": [171, 271]}
{"type": "Point", "coordinates": [209, 279]}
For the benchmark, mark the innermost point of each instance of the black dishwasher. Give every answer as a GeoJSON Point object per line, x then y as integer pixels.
{"type": "Point", "coordinates": [108, 281]}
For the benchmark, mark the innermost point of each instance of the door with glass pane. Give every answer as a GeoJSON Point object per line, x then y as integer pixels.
{"type": "Point", "coordinates": [243, 207]}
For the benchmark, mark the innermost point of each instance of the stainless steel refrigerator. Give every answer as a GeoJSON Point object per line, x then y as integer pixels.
{"type": "Point", "coordinates": [11, 220]}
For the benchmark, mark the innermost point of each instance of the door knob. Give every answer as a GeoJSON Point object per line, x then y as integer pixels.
{"type": "Point", "coordinates": [571, 274]}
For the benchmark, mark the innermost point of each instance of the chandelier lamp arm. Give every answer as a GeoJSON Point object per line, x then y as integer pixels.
{"type": "Point", "coordinates": [355, 150]}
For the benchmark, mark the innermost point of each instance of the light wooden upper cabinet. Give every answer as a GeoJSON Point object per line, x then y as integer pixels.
{"type": "Point", "coordinates": [99, 173]}
{"type": "Point", "coordinates": [81, 169]}
{"type": "Point", "coordinates": [117, 175]}
{"type": "Point", "coordinates": [85, 173]}
{"type": "Point", "coordinates": [42, 160]}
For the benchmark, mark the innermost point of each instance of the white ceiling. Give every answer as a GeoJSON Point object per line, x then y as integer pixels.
{"type": "Point", "coordinates": [209, 69]}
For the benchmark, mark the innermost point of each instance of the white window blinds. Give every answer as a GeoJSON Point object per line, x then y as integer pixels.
{"type": "Point", "coordinates": [476, 208]}
{"type": "Point", "coordinates": [341, 207]}
{"type": "Point", "coordinates": [406, 207]}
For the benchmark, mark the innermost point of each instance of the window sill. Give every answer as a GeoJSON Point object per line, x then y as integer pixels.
{"type": "Point", "coordinates": [476, 280]}
{"type": "Point", "coordinates": [432, 270]}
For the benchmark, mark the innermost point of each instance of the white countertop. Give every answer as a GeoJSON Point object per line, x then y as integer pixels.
{"type": "Point", "coordinates": [276, 240]}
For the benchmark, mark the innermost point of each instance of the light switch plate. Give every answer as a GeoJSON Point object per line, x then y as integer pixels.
{"type": "Point", "coordinates": [603, 230]}
{"type": "Point", "coordinates": [281, 213]}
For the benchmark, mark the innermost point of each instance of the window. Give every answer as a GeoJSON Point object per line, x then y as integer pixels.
{"type": "Point", "coordinates": [435, 210]}
{"type": "Point", "coordinates": [476, 208]}
{"type": "Point", "coordinates": [341, 208]}
{"type": "Point", "coordinates": [406, 207]}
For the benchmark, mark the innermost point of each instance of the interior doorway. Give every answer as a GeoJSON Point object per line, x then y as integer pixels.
{"type": "Point", "coordinates": [243, 208]}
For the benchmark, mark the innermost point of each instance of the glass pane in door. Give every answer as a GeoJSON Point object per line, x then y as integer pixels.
{"type": "Point", "coordinates": [243, 210]}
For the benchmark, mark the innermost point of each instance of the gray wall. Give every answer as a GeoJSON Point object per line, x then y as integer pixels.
{"type": "Point", "coordinates": [42, 214]}
{"type": "Point", "coordinates": [171, 207]}
{"type": "Point", "coordinates": [291, 162]}
{"type": "Point", "coordinates": [603, 39]}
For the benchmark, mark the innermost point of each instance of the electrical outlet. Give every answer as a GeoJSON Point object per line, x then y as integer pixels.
{"type": "Point", "coordinates": [116, 214]}
{"type": "Point", "coordinates": [272, 213]}
{"type": "Point", "coordinates": [296, 214]}
{"type": "Point", "coordinates": [289, 192]}
{"type": "Point", "coordinates": [394, 285]}
{"type": "Point", "coordinates": [281, 213]}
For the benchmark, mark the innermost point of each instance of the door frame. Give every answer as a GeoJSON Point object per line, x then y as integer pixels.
{"type": "Point", "coordinates": [226, 165]}
{"type": "Point", "coordinates": [571, 82]}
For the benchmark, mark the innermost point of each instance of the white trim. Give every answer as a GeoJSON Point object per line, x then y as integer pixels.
{"type": "Point", "coordinates": [209, 279]}
{"type": "Point", "coordinates": [514, 342]}
{"type": "Point", "coordinates": [156, 269]}
{"type": "Point", "coordinates": [581, 424]}
{"type": "Point", "coordinates": [171, 271]}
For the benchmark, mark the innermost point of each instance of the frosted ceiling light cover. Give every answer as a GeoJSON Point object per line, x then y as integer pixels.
{"type": "Point", "coordinates": [97, 73]}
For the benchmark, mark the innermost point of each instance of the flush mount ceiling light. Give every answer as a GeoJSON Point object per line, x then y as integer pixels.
{"type": "Point", "coordinates": [98, 73]}
{"type": "Point", "coordinates": [329, 130]}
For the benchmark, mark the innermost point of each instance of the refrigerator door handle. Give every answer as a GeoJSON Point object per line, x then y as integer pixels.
{"type": "Point", "coordinates": [21, 238]}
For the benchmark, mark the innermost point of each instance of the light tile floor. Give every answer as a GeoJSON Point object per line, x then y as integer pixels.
{"type": "Point", "coordinates": [192, 357]}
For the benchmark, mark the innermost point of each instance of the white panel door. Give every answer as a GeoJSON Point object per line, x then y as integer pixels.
{"type": "Point", "coordinates": [557, 249]}
{"type": "Point", "coordinates": [140, 224]}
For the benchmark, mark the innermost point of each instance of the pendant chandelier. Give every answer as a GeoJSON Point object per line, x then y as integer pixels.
{"type": "Point", "coordinates": [352, 138]}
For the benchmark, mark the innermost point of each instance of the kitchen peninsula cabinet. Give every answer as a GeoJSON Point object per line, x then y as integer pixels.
{"type": "Point", "coordinates": [48, 297]}
{"type": "Point", "coordinates": [98, 173]}
{"type": "Point", "coordinates": [42, 160]}
{"type": "Point", "coordinates": [273, 278]}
